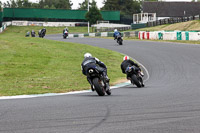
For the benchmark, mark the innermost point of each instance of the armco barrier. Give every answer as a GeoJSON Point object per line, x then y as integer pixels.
{"type": "Point", "coordinates": [194, 36]}
{"type": "Point", "coordinates": [104, 34]}
{"type": "Point", "coordinates": [179, 35]}
{"type": "Point", "coordinates": [147, 35]}
{"type": "Point", "coordinates": [169, 36]}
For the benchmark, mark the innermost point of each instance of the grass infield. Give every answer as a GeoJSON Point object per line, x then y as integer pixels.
{"type": "Point", "coordinates": [35, 65]}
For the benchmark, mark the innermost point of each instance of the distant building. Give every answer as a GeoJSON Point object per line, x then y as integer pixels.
{"type": "Point", "coordinates": [171, 9]}
{"type": "Point", "coordinates": [143, 18]}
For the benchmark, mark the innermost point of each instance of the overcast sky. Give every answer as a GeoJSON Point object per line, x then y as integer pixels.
{"type": "Point", "coordinates": [99, 2]}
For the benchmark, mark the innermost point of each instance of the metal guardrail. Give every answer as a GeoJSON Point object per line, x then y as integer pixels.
{"type": "Point", "coordinates": [172, 20]}
{"type": "Point", "coordinates": [112, 29]}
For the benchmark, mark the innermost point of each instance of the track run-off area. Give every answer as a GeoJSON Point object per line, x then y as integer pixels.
{"type": "Point", "coordinates": [169, 102]}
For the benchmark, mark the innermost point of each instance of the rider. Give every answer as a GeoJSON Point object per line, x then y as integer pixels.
{"type": "Point", "coordinates": [33, 33]}
{"type": "Point", "coordinates": [91, 61]}
{"type": "Point", "coordinates": [127, 62]}
{"type": "Point", "coordinates": [116, 33]}
{"type": "Point", "coordinates": [66, 29]}
{"type": "Point", "coordinates": [44, 30]}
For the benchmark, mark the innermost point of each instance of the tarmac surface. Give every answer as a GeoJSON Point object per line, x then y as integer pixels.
{"type": "Point", "coordinates": [169, 103]}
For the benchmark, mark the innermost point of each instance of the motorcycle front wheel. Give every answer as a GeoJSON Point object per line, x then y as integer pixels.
{"type": "Point", "coordinates": [136, 81]}
{"type": "Point", "coordinates": [98, 86]}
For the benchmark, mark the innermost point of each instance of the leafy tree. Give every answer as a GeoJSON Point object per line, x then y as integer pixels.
{"type": "Point", "coordinates": [151, 0]}
{"type": "Point", "coordinates": [27, 4]}
{"type": "Point", "coordinates": [13, 4]}
{"type": "Point", "coordinates": [127, 7]}
{"type": "Point", "coordinates": [64, 4]}
{"type": "Point", "coordinates": [18, 4]}
{"type": "Point", "coordinates": [0, 5]}
{"type": "Point", "coordinates": [52, 4]}
{"type": "Point", "coordinates": [55, 4]}
{"type": "Point", "coordinates": [83, 5]}
{"type": "Point", "coordinates": [94, 14]}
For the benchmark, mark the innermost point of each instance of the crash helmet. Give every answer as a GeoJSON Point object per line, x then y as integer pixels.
{"type": "Point", "coordinates": [87, 55]}
{"type": "Point", "coordinates": [126, 58]}
{"type": "Point", "coordinates": [115, 30]}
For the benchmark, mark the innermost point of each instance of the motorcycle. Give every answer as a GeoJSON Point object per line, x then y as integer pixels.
{"type": "Point", "coordinates": [135, 76]}
{"type": "Point", "coordinates": [33, 33]}
{"type": "Point", "coordinates": [98, 81]}
{"type": "Point", "coordinates": [42, 33]}
{"type": "Point", "coordinates": [119, 40]}
{"type": "Point", "coordinates": [65, 34]}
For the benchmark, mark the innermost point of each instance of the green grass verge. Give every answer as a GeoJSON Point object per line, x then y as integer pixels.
{"type": "Point", "coordinates": [36, 65]}
{"type": "Point", "coordinates": [50, 30]}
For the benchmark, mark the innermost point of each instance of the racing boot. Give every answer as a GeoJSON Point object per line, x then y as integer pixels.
{"type": "Point", "coordinates": [107, 79]}
{"type": "Point", "coordinates": [92, 87]}
{"type": "Point", "coordinates": [90, 82]}
{"type": "Point", "coordinates": [141, 73]}
{"type": "Point", "coordinates": [106, 76]}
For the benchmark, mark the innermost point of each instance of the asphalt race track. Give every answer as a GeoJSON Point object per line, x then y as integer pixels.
{"type": "Point", "coordinates": [170, 102]}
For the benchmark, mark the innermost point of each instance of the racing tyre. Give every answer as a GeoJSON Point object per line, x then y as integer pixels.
{"type": "Point", "coordinates": [136, 81]}
{"type": "Point", "coordinates": [99, 87]}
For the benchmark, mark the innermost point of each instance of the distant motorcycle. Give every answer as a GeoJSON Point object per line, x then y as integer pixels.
{"type": "Point", "coordinates": [65, 34]}
{"type": "Point", "coordinates": [42, 33]}
{"type": "Point", "coordinates": [135, 76]}
{"type": "Point", "coordinates": [98, 81]}
{"type": "Point", "coordinates": [119, 40]}
{"type": "Point", "coordinates": [32, 33]}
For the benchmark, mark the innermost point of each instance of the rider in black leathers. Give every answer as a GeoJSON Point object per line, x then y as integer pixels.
{"type": "Point", "coordinates": [42, 32]}
{"type": "Point", "coordinates": [127, 62]}
{"type": "Point", "coordinates": [91, 61]}
{"type": "Point", "coordinates": [33, 33]}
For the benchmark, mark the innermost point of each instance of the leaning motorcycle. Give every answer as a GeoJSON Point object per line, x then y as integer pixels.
{"type": "Point", "coordinates": [98, 81]}
{"type": "Point", "coordinates": [135, 76]}
{"type": "Point", "coordinates": [119, 40]}
{"type": "Point", "coordinates": [65, 35]}
{"type": "Point", "coordinates": [41, 33]}
{"type": "Point", "coordinates": [33, 34]}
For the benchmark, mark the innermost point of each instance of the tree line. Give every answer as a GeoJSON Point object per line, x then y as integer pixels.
{"type": "Point", "coordinates": [49, 4]}
{"type": "Point", "coordinates": [127, 6]}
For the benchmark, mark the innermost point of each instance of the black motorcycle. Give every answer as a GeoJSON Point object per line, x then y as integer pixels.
{"type": "Point", "coordinates": [98, 81]}
{"type": "Point", "coordinates": [65, 34]}
{"type": "Point", "coordinates": [42, 33]}
{"type": "Point", "coordinates": [135, 76]}
{"type": "Point", "coordinates": [119, 40]}
{"type": "Point", "coordinates": [33, 34]}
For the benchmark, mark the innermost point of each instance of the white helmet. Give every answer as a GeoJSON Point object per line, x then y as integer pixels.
{"type": "Point", "coordinates": [87, 55]}
{"type": "Point", "coordinates": [126, 58]}
{"type": "Point", "coordinates": [115, 30]}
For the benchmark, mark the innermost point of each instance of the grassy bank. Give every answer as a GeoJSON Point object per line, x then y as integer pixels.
{"type": "Point", "coordinates": [184, 26]}
{"type": "Point", "coordinates": [35, 65]}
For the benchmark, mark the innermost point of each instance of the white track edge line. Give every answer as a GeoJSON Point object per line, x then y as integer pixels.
{"type": "Point", "coordinates": [74, 92]}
